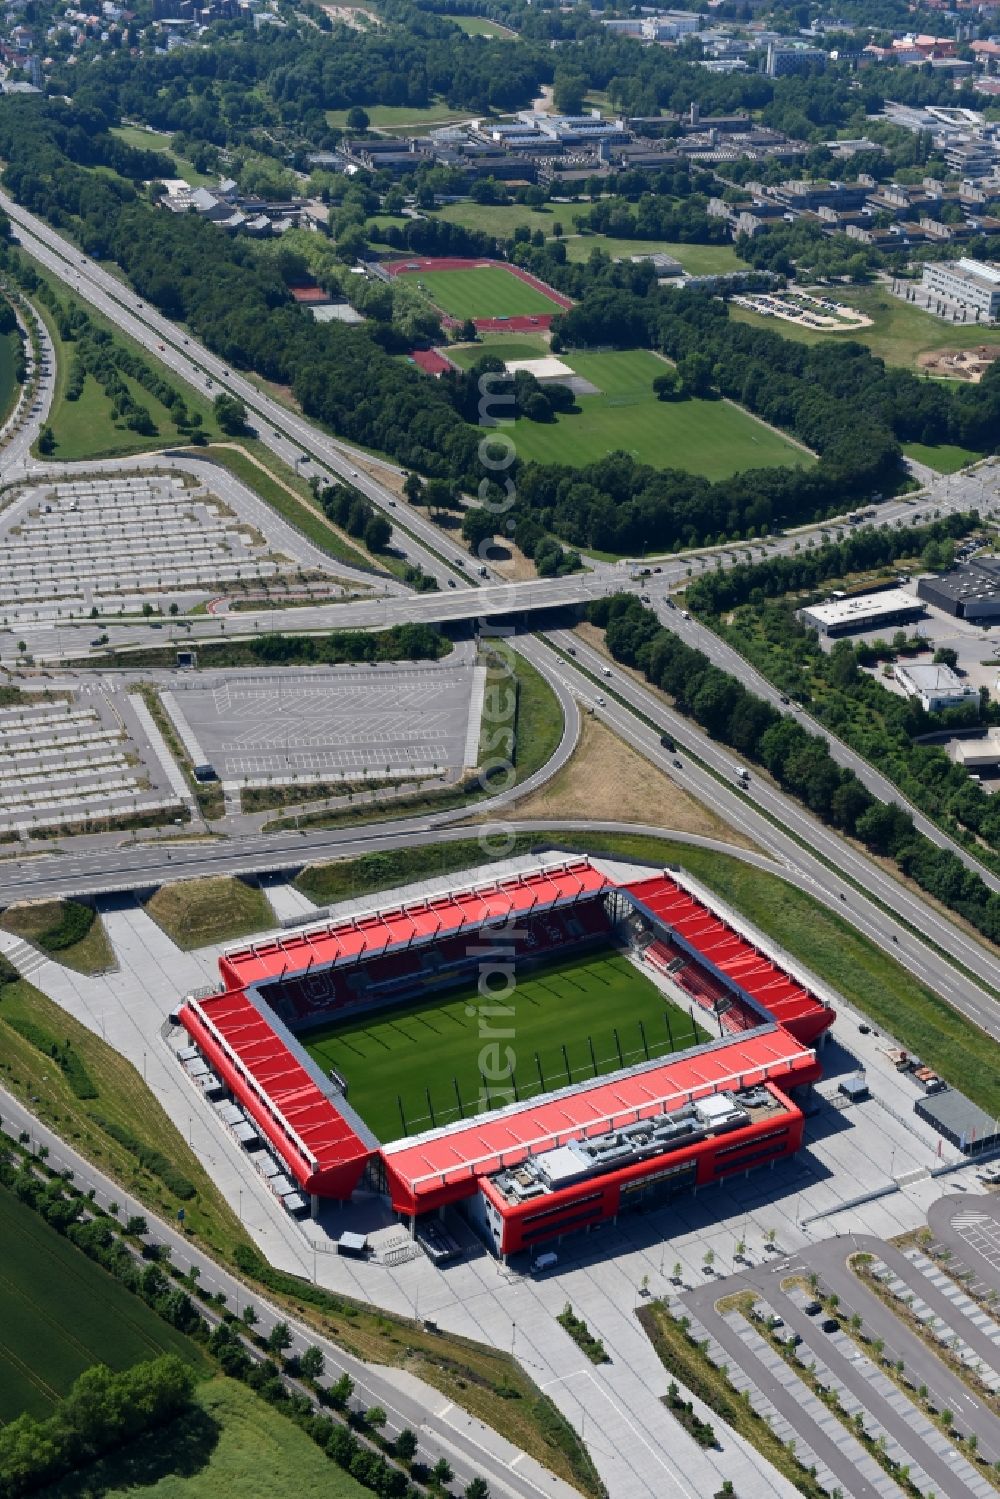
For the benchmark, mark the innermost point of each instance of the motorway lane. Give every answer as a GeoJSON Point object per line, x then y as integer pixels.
{"type": "Point", "coordinates": [288, 435]}
{"type": "Point", "coordinates": [771, 819]}
{"type": "Point", "coordinates": [442, 1430]}
{"type": "Point", "coordinates": [723, 655]}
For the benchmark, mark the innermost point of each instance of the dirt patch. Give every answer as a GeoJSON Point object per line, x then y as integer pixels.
{"type": "Point", "coordinates": [511, 563]}
{"type": "Point", "coordinates": [606, 780]}
{"type": "Point", "coordinates": [959, 364]}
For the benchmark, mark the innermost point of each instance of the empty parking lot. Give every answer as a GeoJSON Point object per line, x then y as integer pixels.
{"type": "Point", "coordinates": [315, 724]}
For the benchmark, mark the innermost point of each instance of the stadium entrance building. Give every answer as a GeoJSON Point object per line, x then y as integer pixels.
{"type": "Point", "coordinates": [534, 1168]}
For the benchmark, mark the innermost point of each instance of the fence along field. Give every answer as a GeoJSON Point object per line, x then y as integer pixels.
{"type": "Point", "coordinates": [416, 1065]}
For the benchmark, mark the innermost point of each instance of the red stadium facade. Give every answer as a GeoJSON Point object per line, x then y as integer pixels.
{"type": "Point", "coordinates": [534, 1169]}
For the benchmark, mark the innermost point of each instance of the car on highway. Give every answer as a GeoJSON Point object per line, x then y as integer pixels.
{"type": "Point", "coordinates": [452, 583]}
{"type": "Point", "coordinates": [667, 742]}
{"type": "Point", "coordinates": [678, 764]}
{"type": "Point", "coordinates": [354, 473]}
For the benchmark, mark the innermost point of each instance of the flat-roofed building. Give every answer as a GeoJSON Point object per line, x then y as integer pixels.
{"type": "Point", "coordinates": [863, 611]}
{"type": "Point", "coordinates": [973, 284]}
{"type": "Point", "coordinates": [935, 684]}
{"type": "Point", "coordinates": [969, 592]}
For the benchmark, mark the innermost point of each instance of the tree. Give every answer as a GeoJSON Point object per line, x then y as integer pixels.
{"type": "Point", "coordinates": [667, 386]}
{"type": "Point", "coordinates": [231, 414]}
{"type": "Point", "coordinates": [357, 118]}
{"type": "Point", "coordinates": [478, 528]}
{"type": "Point", "coordinates": [376, 1417]}
{"type": "Point", "coordinates": [341, 1391]}
{"type": "Point", "coordinates": [312, 1362]}
{"type": "Point", "coordinates": [249, 1317]}
{"type": "Point", "coordinates": [137, 1225]}
{"type": "Point", "coordinates": [405, 1445]}
{"type": "Point", "coordinates": [442, 1471]}
{"type": "Point", "coordinates": [377, 533]}
{"type": "Point", "coordinates": [413, 488]}
{"type": "Point", "coordinates": [279, 1338]}
{"type": "Point", "coordinates": [46, 441]}
{"type": "Point", "coordinates": [477, 1489]}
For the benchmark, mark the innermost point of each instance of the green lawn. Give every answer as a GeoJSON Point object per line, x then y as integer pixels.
{"type": "Point", "coordinates": [479, 26]}
{"type": "Point", "coordinates": [230, 1444]}
{"type": "Point", "coordinates": [156, 140]}
{"type": "Point", "coordinates": [899, 332]}
{"type": "Point", "coordinates": [502, 219]}
{"type": "Point", "coordinates": [697, 260]}
{"type": "Point", "coordinates": [10, 343]}
{"type": "Point", "coordinates": [946, 457]}
{"type": "Point", "coordinates": [713, 438]}
{"type": "Point", "coordinates": [399, 116]}
{"type": "Point", "coordinates": [506, 346]}
{"type": "Point", "coordinates": [568, 1004]}
{"type": "Point", "coordinates": [85, 428]}
{"type": "Point", "coordinates": [484, 292]}
{"type": "Point", "coordinates": [60, 1313]}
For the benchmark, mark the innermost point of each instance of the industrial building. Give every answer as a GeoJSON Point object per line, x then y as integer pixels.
{"type": "Point", "coordinates": [971, 284]}
{"type": "Point", "coordinates": [971, 591]}
{"type": "Point", "coordinates": [936, 685]}
{"type": "Point", "coordinates": [540, 1167]}
{"type": "Point", "coordinates": [847, 613]}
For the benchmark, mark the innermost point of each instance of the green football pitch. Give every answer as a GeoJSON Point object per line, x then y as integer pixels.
{"type": "Point", "coordinates": [416, 1065]}
{"type": "Point", "coordinates": [486, 291]}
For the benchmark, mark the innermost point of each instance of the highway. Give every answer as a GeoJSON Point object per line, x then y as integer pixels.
{"type": "Point", "coordinates": [773, 817]}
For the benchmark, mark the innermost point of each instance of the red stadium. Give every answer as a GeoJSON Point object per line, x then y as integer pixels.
{"type": "Point", "coordinates": [540, 1167]}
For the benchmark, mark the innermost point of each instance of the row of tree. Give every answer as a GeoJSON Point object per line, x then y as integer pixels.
{"type": "Point", "coordinates": [799, 761]}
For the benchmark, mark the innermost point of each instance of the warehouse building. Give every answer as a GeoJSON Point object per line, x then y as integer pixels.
{"type": "Point", "coordinates": [847, 614]}
{"type": "Point", "coordinates": [971, 591]}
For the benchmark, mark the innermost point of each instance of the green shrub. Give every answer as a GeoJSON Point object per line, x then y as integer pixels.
{"type": "Point", "coordinates": [152, 1160]}
{"type": "Point", "coordinates": [61, 1052]}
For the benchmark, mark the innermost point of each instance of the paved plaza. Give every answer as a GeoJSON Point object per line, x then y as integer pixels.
{"type": "Point", "coordinates": [332, 723]}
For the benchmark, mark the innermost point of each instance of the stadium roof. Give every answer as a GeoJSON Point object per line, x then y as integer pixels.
{"type": "Point", "coordinates": [458, 1153]}
{"type": "Point", "coordinates": [311, 1131]}
{"type": "Point", "coordinates": [429, 920]}
{"type": "Point", "coordinates": [734, 956]}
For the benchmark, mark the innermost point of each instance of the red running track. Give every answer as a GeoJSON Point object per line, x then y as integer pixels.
{"type": "Point", "coordinates": [415, 263]}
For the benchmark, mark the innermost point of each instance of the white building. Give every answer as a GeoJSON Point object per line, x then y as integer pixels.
{"type": "Point", "coordinates": [864, 611]}
{"type": "Point", "coordinates": [937, 686]}
{"type": "Point", "coordinates": [974, 284]}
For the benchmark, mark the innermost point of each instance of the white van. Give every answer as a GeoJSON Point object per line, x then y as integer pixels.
{"type": "Point", "coordinates": [546, 1261]}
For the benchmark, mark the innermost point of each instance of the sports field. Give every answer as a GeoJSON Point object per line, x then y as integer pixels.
{"type": "Point", "coordinates": [487, 291]}
{"type": "Point", "coordinates": [712, 438]}
{"type": "Point", "coordinates": [60, 1313]}
{"type": "Point", "coordinates": [421, 1062]}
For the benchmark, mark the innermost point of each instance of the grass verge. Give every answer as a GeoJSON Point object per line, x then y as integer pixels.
{"type": "Point", "coordinates": [289, 495]}
{"type": "Point", "coordinates": [66, 930]}
{"type": "Point", "coordinates": [220, 908]}
{"type": "Point", "coordinates": [122, 1101]}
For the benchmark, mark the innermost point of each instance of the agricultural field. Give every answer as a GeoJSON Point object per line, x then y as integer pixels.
{"type": "Point", "coordinates": [899, 332]}
{"type": "Point", "coordinates": [230, 1443]}
{"type": "Point", "coordinates": [488, 291]}
{"type": "Point", "coordinates": [574, 1007]}
{"type": "Point", "coordinates": [60, 1313]}
{"type": "Point", "coordinates": [712, 438]}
